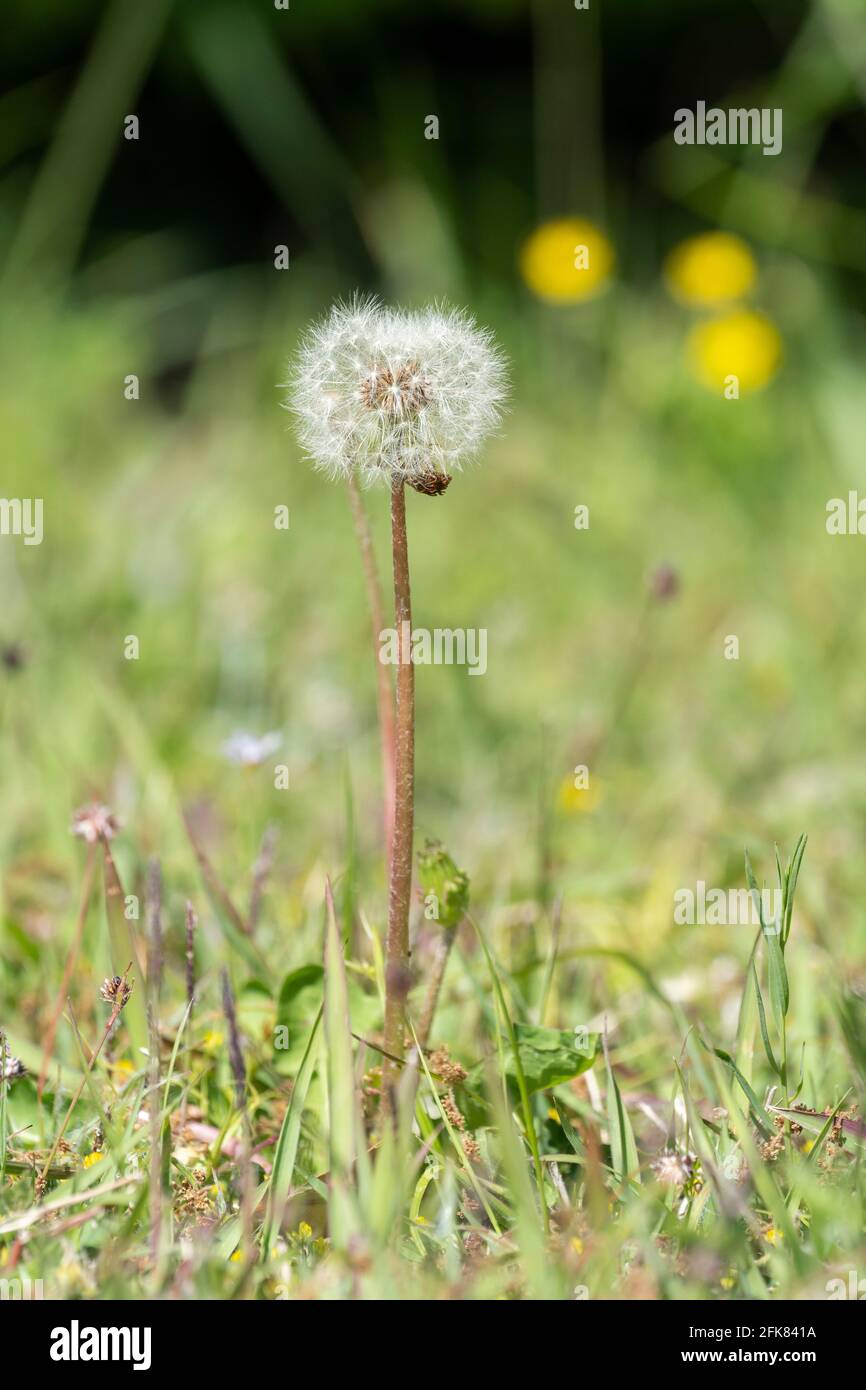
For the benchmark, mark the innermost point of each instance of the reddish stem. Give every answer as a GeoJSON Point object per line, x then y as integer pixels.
{"type": "Point", "coordinates": [384, 691]}
{"type": "Point", "coordinates": [400, 884]}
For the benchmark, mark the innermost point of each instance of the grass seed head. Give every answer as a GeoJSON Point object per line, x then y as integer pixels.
{"type": "Point", "coordinates": [116, 991]}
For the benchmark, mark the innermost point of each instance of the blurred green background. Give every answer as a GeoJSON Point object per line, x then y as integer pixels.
{"type": "Point", "coordinates": [306, 128]}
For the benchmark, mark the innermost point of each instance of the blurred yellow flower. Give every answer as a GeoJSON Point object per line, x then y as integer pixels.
{"type": "Point", "coordinates": [566, 260]}
{"type": "Point", "coordinates": [711, 269]}
{"type": "Point", "coordinates": [95, 1157]}
{"type": "Point", "coordinates": [772, 1235]}
{"type": "Point", "coordinates": [578, 800]}
{"type": "Point", "coordinates": [742, 345]}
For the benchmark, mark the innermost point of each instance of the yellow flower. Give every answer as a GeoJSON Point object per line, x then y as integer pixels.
{"type": "Point", "coordinates": [742, 344]}
{"type": "Point", "coordinates": [305, 1230]}
{"type": "Point", "coordinates": [566, 260]}
{"type": "Point", "coordinates": [236, 1257]}
{"type": "Point", "coordinates": [578, 801]}
{"type": "Point", "coordinates": [727, 1281]}
{"type": "Point", "coordinates": [95, 1157]}
{"type": "Point", "coordinates": [711, 269]}
{"type": "Point", "coordinates": [772, 1236]}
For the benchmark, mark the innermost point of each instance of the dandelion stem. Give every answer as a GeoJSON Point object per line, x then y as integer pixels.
{"type": "Point", "coordinates": [400, 875]}
{"type": "Point", "coordinates": [384, 690]}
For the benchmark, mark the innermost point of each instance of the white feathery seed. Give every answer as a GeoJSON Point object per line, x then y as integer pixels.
{"type": "Point", "coordinates": [393, 395]}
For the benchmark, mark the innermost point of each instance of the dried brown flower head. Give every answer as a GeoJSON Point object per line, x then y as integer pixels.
{"type": "Point", "coordinates": [443, 1065]}
{"type": "Point", "coordinates": [431, 484]}
{"type": "Point", "coordinates": [116, 991]}
{"type": "Point", "coordinates": [95, 823]}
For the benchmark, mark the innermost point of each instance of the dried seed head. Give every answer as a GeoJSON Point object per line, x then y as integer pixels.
{"type": "Point", "coordinates": [116, 991]}
{"type": "Point", "coordinates": [394, 396]}
{"type": "Point", "coordinates": [431, 484]}
{"type": "Point", "coordinates": [95, 822]}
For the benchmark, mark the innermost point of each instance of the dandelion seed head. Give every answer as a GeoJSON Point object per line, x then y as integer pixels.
{"type": "Point", "coordinates": [392, 395]}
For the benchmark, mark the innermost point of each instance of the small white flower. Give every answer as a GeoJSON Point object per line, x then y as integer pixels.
{"type": "Point", "coordinates": [393, 395]}
{"type": "Point", "coordinates": [251, 750]}
{"type": "Point", "coordinates": [96, 822]}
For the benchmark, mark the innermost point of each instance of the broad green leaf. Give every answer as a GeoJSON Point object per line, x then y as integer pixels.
{"type": "Point", "coordinates": [549, 1056]}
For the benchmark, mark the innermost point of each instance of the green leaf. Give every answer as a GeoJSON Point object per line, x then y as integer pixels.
{"type": "Point", "coordinates": [759, 1114]}
{"type": "Point", "coordinates": [340, 1079]}
{"type": "Point", "coordinates": [777, 977]}
{"type": "Point", "coordinates": [297, 993]}
{"type": "Point", "coordinates": [287, 1144]}
{"type": "Point", "coordinates": [791, 884]}
{"type": "Point", "coordinates": [569, 1131]}
{"type": "Point", "coordinates": [623, 1150]}
{"type": "Point", "coordinates": [549, 1056]}
{"type": "Point", "coordinates": [762, 1018]}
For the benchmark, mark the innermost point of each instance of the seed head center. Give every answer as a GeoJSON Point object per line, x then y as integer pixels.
{"type": "Point", "coordinates": [400, 392]}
